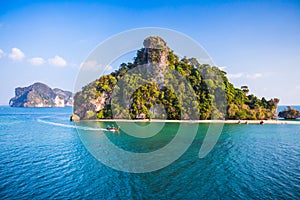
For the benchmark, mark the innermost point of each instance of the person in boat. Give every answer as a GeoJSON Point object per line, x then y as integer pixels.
{"type": "Point", "coordinates": [113, 128]}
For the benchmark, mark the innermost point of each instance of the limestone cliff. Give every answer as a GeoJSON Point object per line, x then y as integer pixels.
{"type": "Point", "coordinates": [41, 95]}
{"type": "Point", "coordinates": [155, 54]}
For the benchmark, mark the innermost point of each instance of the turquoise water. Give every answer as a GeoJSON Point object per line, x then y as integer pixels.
{"type": "Point", "coordinates": [42, 156]}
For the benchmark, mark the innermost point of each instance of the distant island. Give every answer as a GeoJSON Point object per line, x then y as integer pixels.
{"type": "Point", "coordinates": [289, 113]}
{"type": "Point", "coordinates": [94, 101]}
{"type": "Point", "coordinates": [41, 95]}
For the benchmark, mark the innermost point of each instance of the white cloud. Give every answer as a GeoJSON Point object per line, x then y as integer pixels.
{"type": "Point", "coordinates": [254, 76]}
{"type": "Point", "coordinates": [238, 75]}
{"type": "Point", "coordinates": [91, 65]}
{"type": "Point", "coordinates": [108, 68]}
{"type": "Point", "coordinates": [16, 54]}
{"type": "Point", "coordinates": [223, 68]}
{"type": "Point", "coordinates": [243, 75]}
{"type": "Point", "coordinates": [206, 61]}
{"type": "Point", "coordinates": [57, 61]}
{"type": "Point", "coordinates": [37, 61]}
{"type": "Point", "coordinates": [74, 65]}
{"type": "Point", "coordinates": [1, 53]}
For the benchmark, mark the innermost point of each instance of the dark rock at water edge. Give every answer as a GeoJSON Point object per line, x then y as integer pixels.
{"type": "Point", "coordinates": [74, 118]}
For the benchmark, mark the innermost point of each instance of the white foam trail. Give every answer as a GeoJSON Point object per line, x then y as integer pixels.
{"type": "Point", "coordinates": [72, 126]}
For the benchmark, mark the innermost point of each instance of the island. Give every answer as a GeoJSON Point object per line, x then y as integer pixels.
{"type": "Point", "coordinates": [41, 95]}
{"type": "Point", "coordinates": [289, 113]}
{"type": "Point", "coordinates": [94, 101]}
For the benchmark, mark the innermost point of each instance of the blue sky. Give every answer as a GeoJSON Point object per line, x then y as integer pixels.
{"type": "Point", "coordinates": [256, 42]}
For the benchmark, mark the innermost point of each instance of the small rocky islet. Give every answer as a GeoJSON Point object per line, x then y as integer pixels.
{"type": "Point", "coordinates": [289, 113]}
{"type": "Point", "coordinates": [41, 95]}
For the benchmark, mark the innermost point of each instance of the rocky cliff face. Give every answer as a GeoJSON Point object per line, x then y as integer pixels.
{"type": "Point", "coordinates": [154, 55]}
{"type": "Point", "coordinates": [41, 95]}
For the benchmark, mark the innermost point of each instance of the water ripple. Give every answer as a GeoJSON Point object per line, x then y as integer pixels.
{"type": "Point", "coordinates": [42, 157]}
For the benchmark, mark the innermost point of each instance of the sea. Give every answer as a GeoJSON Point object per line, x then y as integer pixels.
{"type": "Point", "coordinates": [45, 156]}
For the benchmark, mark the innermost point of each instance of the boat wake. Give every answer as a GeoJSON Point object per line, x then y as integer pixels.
{"type": "Point", "coordinates": [71, 126]}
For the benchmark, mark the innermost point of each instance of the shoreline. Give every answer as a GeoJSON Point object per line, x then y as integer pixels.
{"type": "Point", "coordinates": [238, 122]}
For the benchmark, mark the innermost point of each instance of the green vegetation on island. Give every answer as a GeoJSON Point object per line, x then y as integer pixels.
{"type": "Point", "coordinates": [289, 113]}
{"type": "Point", "coordinates": [208, 83]}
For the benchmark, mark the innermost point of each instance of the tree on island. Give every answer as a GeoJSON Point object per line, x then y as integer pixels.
{"type": "Point", "coordinates": [289, 113]}
{"type": "Point", "coordinates": [245, 89]}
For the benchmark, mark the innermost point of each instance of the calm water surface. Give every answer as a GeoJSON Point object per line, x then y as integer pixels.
{"type": "Point", "coordinates": [41, 156]}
